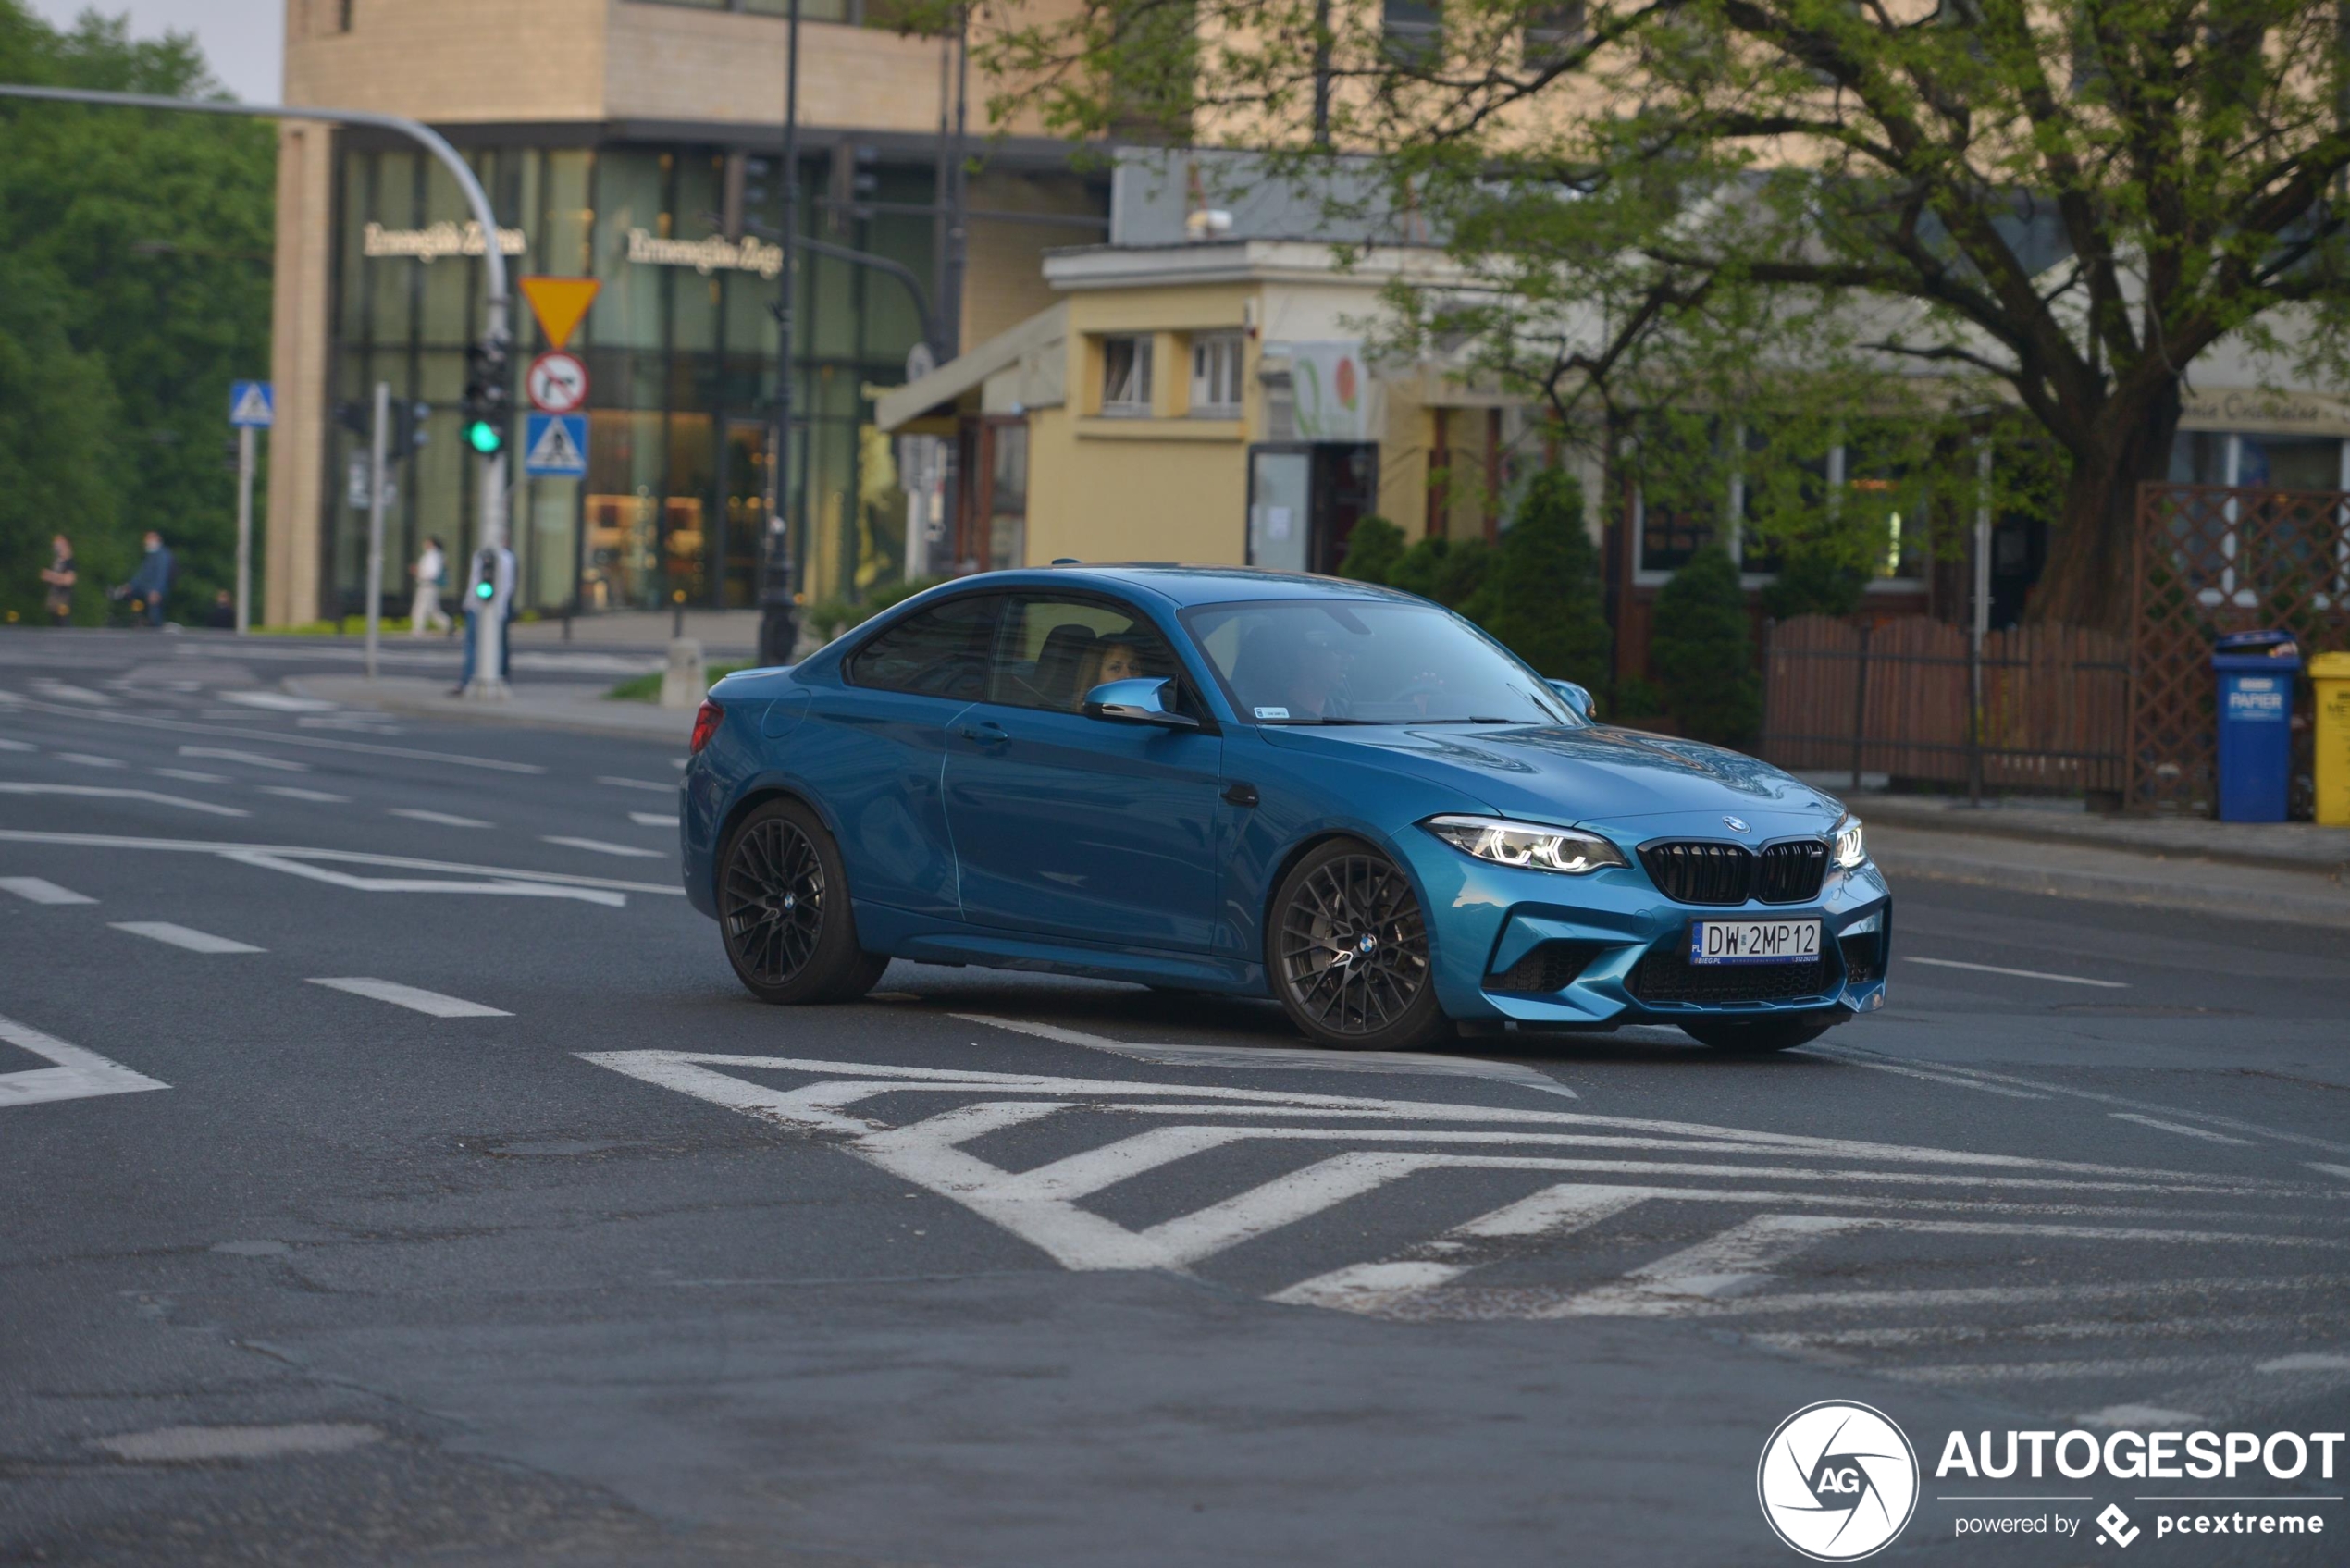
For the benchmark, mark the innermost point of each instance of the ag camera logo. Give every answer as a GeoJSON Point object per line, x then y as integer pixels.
{"type": "Point", "coordinates": [1837, 1481]}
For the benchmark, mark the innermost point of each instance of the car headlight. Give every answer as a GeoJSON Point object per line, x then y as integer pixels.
{"type": "Point", "coordinates": [1532, 845]}
{"type": "Point", "coordinates": [1851, 850]}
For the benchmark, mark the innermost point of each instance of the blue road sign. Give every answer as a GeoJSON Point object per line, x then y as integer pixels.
{"type": "Point", "coordinates": [555, 445]}
{"type": "Point", "coordinates": [252, 403]}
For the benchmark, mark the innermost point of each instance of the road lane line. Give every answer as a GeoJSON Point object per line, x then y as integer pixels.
{"type": "Point", "coordinates": [2342, 1170]}
{"type": "Point", "coordinates": [280, 702]}
{"type": "Point", "coordinates": [1551, 1212]}
{"type": "Point", "coordinates": [194, 940]}
{"type": "Point", "coordinates": [442, 818]}
{"type": "Point", "coordinates": [652, 820]}
{"type": "Point", "coordinates": [414, 998]}
{"type": "Point", "coordinates": [103, 792]}
{"type": "Point", "coordinates": [1948, 1080]}
{"type": "Point", "coordinates": [2019, 974]}
{"type": "Point", "coordinates": [90, 759]}
{"type": "Point", "coordinates": [78, 1074]}
{"type": "Point", "coordinates": [259, 853]}
{"type": "Point", "coordinates": [2180, 1127]}
{"type": "Point", "coordinates": [191, 775]}
{"type": "Point", "coordinates": [1735, 1262]}
{"type": "Point", "coordinates": [598, 847]}
{"type": "Point", "coordinates": [276, 737]}
{"type": "Point", "coordinates": [7, 744]}
{"type": "Point", "coordinates": [60, 691]}
{"type": "Point", "coordinates": [250, 758]}
{"type": "Point", "coordinates": [40, 889]}
{"type": "Point", "coordinates": [294, 792]}
{"type": "Point", "coordinates": [637, 783]}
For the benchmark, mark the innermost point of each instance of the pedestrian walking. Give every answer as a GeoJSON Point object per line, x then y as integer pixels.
{"type": "Point", "coordinates": [150, 585]}
{"type": "Point", "coordinates": [58, 579]}
{"type": "Point", "coordinates": [430, 570]}
{"type": "Point", "coordinates": [497, 569]}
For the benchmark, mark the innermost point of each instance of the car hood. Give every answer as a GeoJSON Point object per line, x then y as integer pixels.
{"type": "Point", "coordinates": [1577, 775]}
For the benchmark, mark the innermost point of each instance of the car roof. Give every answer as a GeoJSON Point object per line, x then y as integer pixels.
{"type": "Point", "coordinates": [1186, 586]}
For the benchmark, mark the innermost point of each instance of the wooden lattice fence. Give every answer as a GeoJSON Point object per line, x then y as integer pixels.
{"type": "Point", "coordinates": [1891, 697]}
{"type": "Point", "coordinates": [2211, 560]}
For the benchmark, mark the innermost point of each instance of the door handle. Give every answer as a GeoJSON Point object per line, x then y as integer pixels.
{"type": "Point", "coordinates": [987, 733]}
{"type": "Point", "coordinates": [1240, 794]}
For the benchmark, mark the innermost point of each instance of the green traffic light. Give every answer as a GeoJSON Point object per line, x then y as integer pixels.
{"type": "Point", "coordinates": [483, 437]}
{"type": "Point", "coordinates": [482, 590]}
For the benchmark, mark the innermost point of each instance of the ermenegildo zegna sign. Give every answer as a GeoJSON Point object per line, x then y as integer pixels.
{"type": "Point", "coordinates": [429, 244]}
{"type": "Point", "coordinates": [710, 254]}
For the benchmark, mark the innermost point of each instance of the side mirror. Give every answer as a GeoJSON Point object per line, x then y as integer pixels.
{"type": "Point", "coordinates": [1578, 697]}
{"type": "Point", "coordinates": [1137, 702]}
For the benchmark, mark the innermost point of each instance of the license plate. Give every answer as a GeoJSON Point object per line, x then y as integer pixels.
{"type": "Point", "coordinates": [1753, 941]}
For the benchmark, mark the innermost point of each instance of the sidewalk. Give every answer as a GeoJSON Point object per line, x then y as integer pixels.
{"type": "Point", "coordinates": [580, 709]}
{"type": "Point", "coordinates": [732, 634]}
{"type": "Point", "coordinates": [2292, 846]}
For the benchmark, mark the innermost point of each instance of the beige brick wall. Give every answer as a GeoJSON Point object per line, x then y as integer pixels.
{"type": "Point", "coordinates": [670, 63]}
{"type": "Point", "coordinates": [1004, 275]}
{"type": "Point", "coordinates": [298, 367]}
{"type": "Point", "coordinates": [452, 61]}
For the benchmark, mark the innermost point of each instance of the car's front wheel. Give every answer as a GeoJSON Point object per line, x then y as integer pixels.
{"type": "Point", "coordinates": [783, 908]}
{"type": "Point", "coordinates": [1753, 1036]}
{"type": "Point", "coordinates": [1347, 949]}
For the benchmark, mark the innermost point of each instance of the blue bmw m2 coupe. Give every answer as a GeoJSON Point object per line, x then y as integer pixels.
{"type": "Point", "coordinates": [1211, 779]}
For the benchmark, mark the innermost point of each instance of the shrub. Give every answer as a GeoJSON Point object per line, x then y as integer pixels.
{"type": "Point", "coordinates": [1450, 573]}
{"type": "Point", "coordinates": [1815, 578]}
{"type": "Point", "coordinates": [1704, 652]}
{"type": "Point", "coordinates": [1372, 551]}
{"type": "Point", "coordinates": [1542, 597]}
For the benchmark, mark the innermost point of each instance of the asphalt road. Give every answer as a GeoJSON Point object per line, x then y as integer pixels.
{"type": "Point", "coordinates": [396, 1174]}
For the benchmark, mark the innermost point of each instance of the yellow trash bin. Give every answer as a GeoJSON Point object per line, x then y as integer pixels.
{"type": "Point", "coordinates": [2330, 673]}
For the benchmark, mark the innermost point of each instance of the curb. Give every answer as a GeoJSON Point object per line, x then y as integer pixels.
{"type": "Point", "coordinates": [2288, 907]}
{"type": "Point", "coordinates": [645, 722]}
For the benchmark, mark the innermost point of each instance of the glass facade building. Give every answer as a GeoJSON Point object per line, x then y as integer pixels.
{"type": "Point", "coordinates": [680, 346]}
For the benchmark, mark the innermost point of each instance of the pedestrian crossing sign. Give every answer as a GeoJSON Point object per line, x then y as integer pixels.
{"type": "Point", "coordinates": [555, 445]}
{"type": "Point", "coordinates": [249, 403]}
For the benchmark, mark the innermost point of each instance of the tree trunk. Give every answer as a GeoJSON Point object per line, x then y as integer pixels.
{"type": "Point", "coordinates": [2087, 579]}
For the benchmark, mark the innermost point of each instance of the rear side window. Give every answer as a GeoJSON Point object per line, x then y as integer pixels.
{"type": "Point", "coordinates": [1051, 651]}
{"type": "Point", "coordinates": [940, 651]}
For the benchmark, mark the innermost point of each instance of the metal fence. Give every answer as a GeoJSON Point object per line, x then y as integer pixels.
{"type": "Point", "coordinates": [1892, 698]}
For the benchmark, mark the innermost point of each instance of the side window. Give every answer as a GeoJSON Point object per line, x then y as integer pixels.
{"type": "Point", "coordinates": [1050, 651]}
{"type": "Point", "coordinates": [940, 652]}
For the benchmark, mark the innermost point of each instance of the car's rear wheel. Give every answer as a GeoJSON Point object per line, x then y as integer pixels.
{"type": "Point", "coordinates": [1347, 949]}
{"type": "Point", "coordinates": [783, 909]}
{"type": "Point", "coordinates": [1755, 1036]}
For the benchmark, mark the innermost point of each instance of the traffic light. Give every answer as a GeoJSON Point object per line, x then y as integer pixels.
{"type": "Point", "coordinates": [408, 433]}
{"type": "Point", "coordinates": [489, 401]}
{"type": "Point", "coordinates": [486, 575]}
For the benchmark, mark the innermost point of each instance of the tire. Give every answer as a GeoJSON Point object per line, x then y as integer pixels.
{"type": "Point", "coordinates": [784, 912]}
{"type": "Point", "coordinates": [1339, 992]}
{"type": "Point", "coordinates": [1755, 1036]}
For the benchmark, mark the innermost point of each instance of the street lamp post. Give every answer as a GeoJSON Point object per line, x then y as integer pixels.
{"type": "Point", "coordinates": [778, 626]}
{"type": "Point", "coordinates": [489, 638]}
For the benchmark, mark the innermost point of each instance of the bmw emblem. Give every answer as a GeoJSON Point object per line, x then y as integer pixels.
{"type": "Point", "coordinates": [1736, 824]}
{"type": "Point", "coordinates": [1366, 945]}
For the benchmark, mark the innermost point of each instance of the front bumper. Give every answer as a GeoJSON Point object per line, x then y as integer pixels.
{"type": "Point", "coordinates": [1502, 935]}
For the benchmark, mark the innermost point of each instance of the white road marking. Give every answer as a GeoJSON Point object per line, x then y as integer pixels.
{"type": "Point", "coordinates": [1965, 1373]}
{"type": "Point", "coordinates": [150, 722]}
{"type": "Point", "coordinates": [2340, 1170]}
{"type": "Point", "coordinates": [78, 1075]}
{"type": "Point", "coordinates": [2181, 1129]}
{"type": "Point", "coordinates": [1948, 1080]}
{"type": "Point", "coordinates": [295, 792]}
{"type": "Point", "coordinates": [1288, 1058]}
{"type": "Point", "coordinates": [638, 784]}
{"type": "Point", "coordinates": [2019, 974]}
{"type": "Point", "coordinates": [40, 889]}
{"type": "Point", "coordinates": [190, 774]}
{"type": "Point", "coordinates": [280, 702]}
{"type": "Point", "coordinates": [2140, 1415]}
{"type": "Point", "coordinates": [652, 820]}
{"type": "Point", "coordinates": [2316, 1361]}
{"type": "Point", "coordinates": [249, 758]}
{"type": "Point", "coordinates": [414, 998]}
{"type": "Point", "coordinates": [194, 940]}
{"type": "Point", "coordinates": [599, 846]}
{"type": "Point", "coordinates": [7, 744]}
{"type": "Point", "coordinates": [105, 793]}
{"type": "Point", "coordinates": [417, 814]}
{"type": "Point", "coordinates": [1382, 1287]}
{"type": "Point", "coordinates": [210, 1445]}
{"type": "Point", "coordinates": [90, 759]}
{"type": "Point", "coordinates": [60, 691]}
{"type": "Point", "coordinates": [295, 860]}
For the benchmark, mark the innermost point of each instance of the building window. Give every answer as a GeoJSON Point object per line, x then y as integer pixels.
{"type": "Point", "coordinates": [343, 14]}
{"type": "Point", "coordinates": [1215, 375]}
{"type": "Point", "coordinates": [1412, 31]}
{"type": "Point", "coordinates": [1007, 494]}
{"type": "Point", "coordinates": [1125, 375]}
{"type": "Point", "coordinates": [1550, 32]}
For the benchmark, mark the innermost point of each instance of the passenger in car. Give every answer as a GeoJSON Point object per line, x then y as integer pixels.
{"type": "Point", "coordinates": [1112, 659]}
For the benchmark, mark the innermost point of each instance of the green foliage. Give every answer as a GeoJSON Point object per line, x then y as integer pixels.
{"type": "Point", "coordinates": [1815, 579]}
{"type": "Point", "coordinates": [1634, 699]}
{"type": "Point", "coordinates": [647, 687]}
{"type": "Point", "coordinates": [1543, 592]}
{"type": "Point", "coordinates": [1704, 652]}
{"type": "Point", "coordinates": [134, 286]}
{"type": "Point", "coordinates": [1449, 572]}
{"type": "Point", "coordinates": [830, 617]}
{"type": "Point", "coordinates": [1372, 551]}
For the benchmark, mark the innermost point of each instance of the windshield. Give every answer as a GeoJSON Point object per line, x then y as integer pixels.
{"type": "Point", "coordinates": [1331, 661]}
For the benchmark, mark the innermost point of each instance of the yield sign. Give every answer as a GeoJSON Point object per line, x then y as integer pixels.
{"type": "Point", "coordinates": [559, 303]}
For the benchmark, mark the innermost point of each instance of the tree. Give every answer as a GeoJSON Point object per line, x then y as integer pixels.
{"type": "Point", "coordinates": [1373, 548]}
{"type": "Point", "coordinates": [1973, 213]}
{"type": "Point", "coordinates": [1546, 601]}
{"type": "Point", "coordinates": [1704, 653]}
{"type": "Point", "coordinates": [135, 285]}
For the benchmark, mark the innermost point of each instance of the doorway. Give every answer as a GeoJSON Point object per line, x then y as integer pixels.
{"type": "Point", "coordinates": [1304, 501]}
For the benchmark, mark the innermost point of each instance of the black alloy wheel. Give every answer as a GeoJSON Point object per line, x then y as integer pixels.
{"type": "Point", "coordinates": [1347, 949]}
{"type": "Point", "coordinates": [782, 908]}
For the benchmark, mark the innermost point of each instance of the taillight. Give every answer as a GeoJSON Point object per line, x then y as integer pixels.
{"type": "Point", "coordinates": [705, 725]}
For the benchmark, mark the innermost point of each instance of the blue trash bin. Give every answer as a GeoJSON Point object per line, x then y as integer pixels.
{"type": "Point", "coordinates": [2256, 672]}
